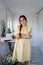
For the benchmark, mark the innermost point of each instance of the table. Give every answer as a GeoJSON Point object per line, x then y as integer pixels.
{"type": "Point", "coordinates": [9, 40]}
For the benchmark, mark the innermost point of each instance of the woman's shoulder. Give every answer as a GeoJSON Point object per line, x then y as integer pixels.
{"type": "Point", "coordinates": [18, 27]}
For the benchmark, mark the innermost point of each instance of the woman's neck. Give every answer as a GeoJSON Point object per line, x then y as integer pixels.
{"type": "Point", "coordinates": [24, 25]}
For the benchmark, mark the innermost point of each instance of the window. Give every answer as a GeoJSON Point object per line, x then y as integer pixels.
{"type": "Point", "coordinates": [9, 23]}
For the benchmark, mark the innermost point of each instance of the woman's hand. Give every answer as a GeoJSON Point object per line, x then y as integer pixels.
{"type": "Point", "coordinates": [13, 36]}
{"type": "Point", "coordinates": [27, 36]}
{"type": "Point", "coordinates": [17, 36]}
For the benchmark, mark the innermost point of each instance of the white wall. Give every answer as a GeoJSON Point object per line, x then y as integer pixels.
{"type": "Point", "coordinates": [40, 30]}
{"type": "Point", "coordinates": [32, 21]}
{"type": "Point", "coordinates": [2, 13]}
{"type": "Point", "coordinates": [4, 46]}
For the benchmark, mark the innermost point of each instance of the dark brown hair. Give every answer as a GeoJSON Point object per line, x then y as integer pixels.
{"type": "Point", "coordinates": [22, 16]}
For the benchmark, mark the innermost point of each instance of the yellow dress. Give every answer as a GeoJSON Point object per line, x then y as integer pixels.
{"type": "Point", "coordinates": [22, 47]}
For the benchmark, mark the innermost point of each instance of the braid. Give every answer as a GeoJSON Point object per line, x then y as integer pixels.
{"type": "Point", "coordinates": [20, 29]}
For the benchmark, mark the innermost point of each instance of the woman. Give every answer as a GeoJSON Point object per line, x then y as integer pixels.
{"type": "Point", "coordinates": [22, 48]}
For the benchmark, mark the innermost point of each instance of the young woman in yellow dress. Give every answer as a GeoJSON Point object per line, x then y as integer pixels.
{"type": "Point", "coordinates": [22, 47]}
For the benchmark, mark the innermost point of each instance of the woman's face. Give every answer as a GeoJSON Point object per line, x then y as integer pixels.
{"type": "Point", "coordinates": [23, 21]}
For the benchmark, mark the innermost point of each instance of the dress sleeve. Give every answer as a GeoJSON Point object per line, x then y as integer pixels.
{"type": "Point", "coordinates": [30, 30]}
{"type": "Point", "coordinates": [17, 30]}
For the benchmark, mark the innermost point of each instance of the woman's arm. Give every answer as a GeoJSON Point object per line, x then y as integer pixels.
{"type": "Point", "coordinates": [26, 36]}
{"type": "Point", "coordinates": [16, 36]}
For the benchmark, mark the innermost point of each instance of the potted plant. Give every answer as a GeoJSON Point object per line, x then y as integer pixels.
{"type": "Point", "coordinates": [3, 29]}
{"type": "Point", "coordinates": [9, 30]}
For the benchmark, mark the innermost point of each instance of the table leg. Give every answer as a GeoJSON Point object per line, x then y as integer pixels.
{"type": "Point", "coordinates": [9, 44]}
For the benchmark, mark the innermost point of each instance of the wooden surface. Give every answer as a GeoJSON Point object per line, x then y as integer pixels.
{"type": "Point", "coordinates": [7, 40]}
{"type": "Point", "coordinates": [2, 40]}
